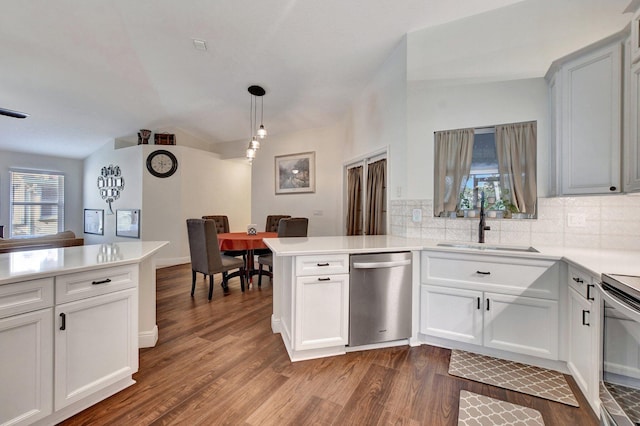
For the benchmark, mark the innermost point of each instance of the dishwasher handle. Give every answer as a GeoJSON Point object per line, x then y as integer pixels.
{"type": "Point", "coordinates": [376, 265]}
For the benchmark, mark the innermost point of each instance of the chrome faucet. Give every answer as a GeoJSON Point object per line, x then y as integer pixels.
{"type": "Point", "coordinates": [482, 226]}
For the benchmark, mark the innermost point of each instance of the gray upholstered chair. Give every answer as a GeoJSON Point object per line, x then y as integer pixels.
{"type": "Point", "coordinates": [273, 221]}
{"type": "Point", "coordinates": [292, 227]}
{"type": "Point", "coordinates": [222, 227]}
{"type": "Point", "coordinates": [271, 226]}
{"type": "Point", "coordinates": [206, 257]}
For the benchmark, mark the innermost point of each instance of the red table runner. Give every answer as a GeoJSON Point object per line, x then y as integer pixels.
{"type": "Point", "coordinates": [243, 241]}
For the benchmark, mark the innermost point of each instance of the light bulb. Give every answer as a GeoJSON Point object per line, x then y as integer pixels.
{"type": "Point", "coordinates": [251, 153]}
{"type": "Point", "coordinates": [255, 144]}
{"type": "Point", "coordinates": [262, 132]}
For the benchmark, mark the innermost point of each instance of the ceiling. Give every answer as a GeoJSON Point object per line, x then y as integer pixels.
{"type": "Point", "coordinates": [89, 72]}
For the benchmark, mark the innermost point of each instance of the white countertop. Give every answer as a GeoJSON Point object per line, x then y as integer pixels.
{"type": "Point", "coordinates": [32, 264]}
{"type": "Point", "coordinates": [596, 262]}
{"type": "Point", "coordinates": [295, 246]}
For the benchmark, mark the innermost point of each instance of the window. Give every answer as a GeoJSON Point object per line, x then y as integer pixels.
{"type": "Point", "coordinates": [37, 203]}
{"type": "Point", "coordinates": [496, 164]}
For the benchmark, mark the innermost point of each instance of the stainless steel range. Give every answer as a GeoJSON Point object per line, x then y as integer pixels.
{"type": "Point", "coordinates": [620, 371]}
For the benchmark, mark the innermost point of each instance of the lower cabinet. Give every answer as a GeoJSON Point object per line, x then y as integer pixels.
{"type": "Point", "coordinates": [322, 311]}
{"type": "Point", "coordinates": [26, 367]}
{"type": "Point", "coordinates": [95, 345]}
{"type": "Point", "coordinates": [581, 340]}
{"type": "Point", "coordinates": [524, 325]}
{"type": "Point", "coordinates": [451, 313]}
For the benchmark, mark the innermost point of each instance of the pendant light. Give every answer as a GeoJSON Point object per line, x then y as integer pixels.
{"type": "Point", "coordinates": [254, 143]}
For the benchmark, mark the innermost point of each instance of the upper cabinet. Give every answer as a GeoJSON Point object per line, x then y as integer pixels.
{"type": "Point", "coordinates": [585, 90]}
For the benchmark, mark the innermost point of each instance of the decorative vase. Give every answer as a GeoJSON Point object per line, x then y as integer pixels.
{"type": "Point", "coordinates": [143, 136]}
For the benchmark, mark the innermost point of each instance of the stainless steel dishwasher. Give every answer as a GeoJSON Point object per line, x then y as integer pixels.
{"type": "Point", "coordinates": [379, 297]}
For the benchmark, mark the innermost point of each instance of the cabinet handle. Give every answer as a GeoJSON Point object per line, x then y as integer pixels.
{"type": "Point", "coordinates": [324, 279]}
{"type": "Point", "coordinates": [578, 280]}
{"type": "Point", "coordinates": [487, 304]}
{"type": "Point", "coordinates": [323, 264]}
{"type": "Point", "coordinates": [612, 188]}
{"type": "Point", "coordinates": [478, 303]}
{"type": "Point", "coordinates": [63, 321]}
{"type": "Point", "coordinates": [483, 273]}
{"type": "Point", "coordinates": [589, 291]}
{"type": "Point", "coordinates": [584, 318]}
{"type": "Point", "coordinates": [101, 282]}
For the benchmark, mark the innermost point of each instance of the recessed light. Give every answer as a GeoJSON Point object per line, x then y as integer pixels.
{"type": "Point", "coordinates": [199, 44]}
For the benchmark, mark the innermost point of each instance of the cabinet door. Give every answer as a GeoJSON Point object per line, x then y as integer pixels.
{"type": "Point", "coordinates": [26, 367]}
{"type": "Point", "coordinates": [581, 339]}
{"type": "Point", "coordinates": [321, 311]}
{"type": "Point", "coordinates": [96, 344]}
{"type": "Point", "coordinates": [632, 156]}
{"type": "Point", "coordinates": [591, 132]}
{"type": "Point", "coordinates": [521, 324]}
{"type": "Point", "coordinates": [451, 313]}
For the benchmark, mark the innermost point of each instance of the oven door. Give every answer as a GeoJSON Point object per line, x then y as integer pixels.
{"type": "Point", "coordinates": [620, 371]}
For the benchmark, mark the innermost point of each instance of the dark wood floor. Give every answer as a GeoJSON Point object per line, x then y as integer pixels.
{"type": "Point", "coordinates": [219, 363]}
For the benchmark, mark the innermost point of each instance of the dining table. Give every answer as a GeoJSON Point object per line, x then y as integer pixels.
{"type": "Point", "coordinates": [241, 241]}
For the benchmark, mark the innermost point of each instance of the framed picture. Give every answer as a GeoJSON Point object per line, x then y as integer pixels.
{"type": "Point", "coordinates": [128, 223]}
{"type": "Point", "coordinates": [94, 221]}
{"type": "Point", "coordinates": [295, 173]}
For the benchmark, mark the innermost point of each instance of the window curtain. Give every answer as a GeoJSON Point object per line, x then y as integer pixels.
{"type": "Point", "coordinates": [453, 155]}
{"type": "Point", "coordinates": [376, 203]}
{"type": "Point", "coordinates": [354, 201]}
{"type": "Point", "coordinates": [516, 149]}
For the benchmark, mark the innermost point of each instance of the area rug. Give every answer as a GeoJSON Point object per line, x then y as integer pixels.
{"type": "Point", "coordinates": [480, 410]}
{"type": "Point", "coordinates": [511, 375]}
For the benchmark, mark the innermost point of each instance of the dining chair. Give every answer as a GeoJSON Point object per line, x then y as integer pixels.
{"type": "Point", "coordinates": [222, 226]}
{"type": "Point", "coordinates": [291, 227]}
{"type": "Point", "coordinates": [271, 226]}
{"type": "Point", "coordinates": [206, 257]}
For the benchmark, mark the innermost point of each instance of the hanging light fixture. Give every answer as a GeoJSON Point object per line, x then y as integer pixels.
{"type": "Point", "coordinates": [254, 143]}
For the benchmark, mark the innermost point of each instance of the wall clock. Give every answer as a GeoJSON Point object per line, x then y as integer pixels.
{"type": "Point", "coordinates": [162, 163]}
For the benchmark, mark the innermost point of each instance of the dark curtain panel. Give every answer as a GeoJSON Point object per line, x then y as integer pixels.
{"type": "Point", "coordinates": [376, 198]}
{"type": "Point", "coordinates": [354, 202]}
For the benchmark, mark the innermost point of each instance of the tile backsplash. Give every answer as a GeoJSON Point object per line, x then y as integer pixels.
{"type": "Point", "coordinates": [608, 222]}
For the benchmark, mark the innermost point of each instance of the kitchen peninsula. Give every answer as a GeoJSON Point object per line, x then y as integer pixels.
{"type": "Point", "coordinates": [519, 303]}
{"type": "Point", "coordinates": [69, 326]}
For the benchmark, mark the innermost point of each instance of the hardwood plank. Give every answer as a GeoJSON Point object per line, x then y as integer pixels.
{"type": "Point", "coordinates": [218, 362]}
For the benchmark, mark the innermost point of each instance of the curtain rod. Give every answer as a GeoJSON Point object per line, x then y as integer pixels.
{"type": "Point", "coordinates": [488, 127]}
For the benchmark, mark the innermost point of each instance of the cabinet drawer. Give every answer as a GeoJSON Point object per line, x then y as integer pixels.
{"type": "Point", "coordinates": [510, 275]}
{"type": "Point", "coordinates": [322, 264]}
{"type": "Point", "coordinates": [25, 296]}
{"type": "Point", "coordinates": [581, 282]}
{"type": "Point", "coordinates": [81, 285]}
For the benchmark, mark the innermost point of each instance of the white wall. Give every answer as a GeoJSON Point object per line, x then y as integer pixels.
{"type": "Point", "coordinates": [129, 160]}
{"type": "Point", "coordinates": [73, 175]}
{"type": "Point", "coordinates": [434, 107]}
{"type": "Point", "coordinates": [378, 119]}
{"type": "Point", "coordinates": [203, 185]}
{"type": "Point", "coordinates": [324, 207]}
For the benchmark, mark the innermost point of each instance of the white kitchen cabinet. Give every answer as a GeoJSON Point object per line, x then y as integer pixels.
{"type": "Point", "coordinates": [95, 344]}
{"type": "Point", "coordinates": [524, 325]}
{"type": "Point", "coordinates": [516, 324]}
{"type": "Point", "coordinates": [583, 328]}
{"type": "Point", "coordinates": [26, 367]}
{"type": "Point", "coordinates": [499, 302]}
{"type": "Point", "coordinates": [451, 313]}
{"type": "Point", "coordinates": [586, 107]}
{"type": "Point", "coordinates": [632, 146]}
{"type": "Point", "coordinates": [26, 354]}
{"type": "Point", "coordinates": [322, 311]}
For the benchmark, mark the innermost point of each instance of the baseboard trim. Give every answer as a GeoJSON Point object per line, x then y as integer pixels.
{"type": "Point", "coordinates": [148, 339]}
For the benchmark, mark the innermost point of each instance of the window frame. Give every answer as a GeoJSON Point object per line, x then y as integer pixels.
{"type": "Point", "coordinates": [59, 203]}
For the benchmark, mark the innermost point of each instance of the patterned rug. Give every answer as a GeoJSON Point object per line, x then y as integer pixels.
{"type": "Point", "coordinates": [511, 375]}
{"type": "Point", "coordinates": [480, 410]}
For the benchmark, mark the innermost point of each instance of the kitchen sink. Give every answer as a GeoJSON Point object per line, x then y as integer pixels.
{"type": "Point", "coordinates": [489, 247]}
